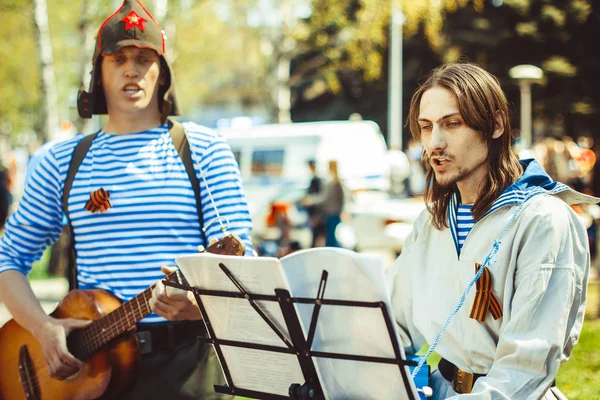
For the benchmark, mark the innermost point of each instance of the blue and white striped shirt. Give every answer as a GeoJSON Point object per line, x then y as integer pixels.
{"type": "Point", "coordinates": [464, 223]}
{"type": "Point", "coordinates": [153, 217]}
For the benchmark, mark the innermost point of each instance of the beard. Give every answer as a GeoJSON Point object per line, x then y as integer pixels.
{"type": "Point", "coordinates": [447, 180]}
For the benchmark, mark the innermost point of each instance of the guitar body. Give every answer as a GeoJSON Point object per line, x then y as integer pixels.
{"type": "Point", "coordinates": [109, 371]}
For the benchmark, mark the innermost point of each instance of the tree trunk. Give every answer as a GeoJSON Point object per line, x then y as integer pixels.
{"type": "Point", "coordinates": [283, 51]}
{"type": "Point", "coordinates": [49, 109]}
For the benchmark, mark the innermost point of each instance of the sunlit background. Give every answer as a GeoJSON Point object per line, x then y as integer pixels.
{"type": "Point", "coordinates": [242, 64]}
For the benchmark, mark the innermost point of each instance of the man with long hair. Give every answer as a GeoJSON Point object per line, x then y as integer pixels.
{"type": "Point", "coordinates": [497, 225]}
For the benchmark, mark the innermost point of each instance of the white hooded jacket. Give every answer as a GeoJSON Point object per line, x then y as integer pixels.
{"type": "Point", "coordinates": [540, 275]}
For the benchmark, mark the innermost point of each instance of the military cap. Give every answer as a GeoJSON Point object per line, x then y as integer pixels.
{"type": "Point", "coordinates": [130, 25]}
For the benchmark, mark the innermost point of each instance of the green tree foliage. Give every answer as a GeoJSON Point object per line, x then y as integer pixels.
{"type": "Point", "coordinates": [19, 66]}
{"type": "Point", "coordinates": [19, 96]}
{"type": "Point", "coordinates": [334, 75]}
{"type": "Point", "coordinates": [557, 36]}
{"type": "Point", "coordinates": [220, 57]}
{"type": "Point", "coordinates": [343, 62]}
{"type": "Point", "coordinates": [347, 35]}
{"type": "Point", "coordinates": [342, 50]}
{"type": "Point", "coordinates": [224, 53]}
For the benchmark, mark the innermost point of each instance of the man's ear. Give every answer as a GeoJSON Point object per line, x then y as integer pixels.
{"type": "Point", "coordinates": [499, 125]}
{"type": "Point", "coordinates": [162, 78]}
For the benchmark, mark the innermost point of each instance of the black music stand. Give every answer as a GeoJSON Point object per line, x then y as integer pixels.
{"type": "Point", "coordinates": [300, 346]}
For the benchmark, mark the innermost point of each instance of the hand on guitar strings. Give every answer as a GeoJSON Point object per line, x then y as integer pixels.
{"type": "Point", "coordinates": [52, 335]}
{"type": "Point", "coordinates": [172, 303]}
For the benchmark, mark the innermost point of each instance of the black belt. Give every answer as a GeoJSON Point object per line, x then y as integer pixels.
{"type": "Point", "coordinates": [462, 381]}
{"type": "Point", "coordinates": [167, 335]}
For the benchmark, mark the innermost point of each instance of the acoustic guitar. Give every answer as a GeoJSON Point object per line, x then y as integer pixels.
{"type": "Point", "coordinates": [108, 346]}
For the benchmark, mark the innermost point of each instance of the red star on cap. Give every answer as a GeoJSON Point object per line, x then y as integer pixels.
{"type": "Point", "coordinates": [133, 20]}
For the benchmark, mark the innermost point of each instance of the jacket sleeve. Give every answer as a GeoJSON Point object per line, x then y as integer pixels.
{"type": "Point", "coordinates": [399, 282]}
{"type": "Point", "coordinates": [37, 222]}
{"type": "Point", "coordinates": [222, 176]}
{"type": "Point", "coordinates": [545, 314]}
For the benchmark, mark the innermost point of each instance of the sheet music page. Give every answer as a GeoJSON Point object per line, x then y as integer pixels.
{"type": "Point", "coordinates": [235, 319]}
{"type": "Point", "coordinates": [348, 330]}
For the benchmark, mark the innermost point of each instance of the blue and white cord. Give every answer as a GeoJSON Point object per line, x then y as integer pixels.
{"type": "Point", "coordinates": [486, 263]}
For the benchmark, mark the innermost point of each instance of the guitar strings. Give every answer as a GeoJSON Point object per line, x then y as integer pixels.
{"type": "Point", "coordinates": [117, 321]}
{"type": "Point", "coordinates": [123, 323]}
{"type": "Point", "coordinates": [121, 319]}
{"type": "Point", "coordinates": [96, 338]}
{"type": "Point", "coordinates": [100, 337]}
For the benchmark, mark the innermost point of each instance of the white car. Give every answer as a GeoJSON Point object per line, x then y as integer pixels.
{"type": "Point", "coordinates": [373, 220]}
{"type": "Point", "coordinates": [380, 222]}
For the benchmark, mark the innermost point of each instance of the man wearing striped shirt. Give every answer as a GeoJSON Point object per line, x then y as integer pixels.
{"type": "Point", "coordinates": [127, 245]}
{"type": "Point", "coordinates": [497, 225]}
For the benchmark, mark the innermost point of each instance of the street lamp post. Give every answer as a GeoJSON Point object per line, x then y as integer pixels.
{"type": "Point", "coordinates": [395, 80]}
{"type": "Point", "coordinates": [526, 74]}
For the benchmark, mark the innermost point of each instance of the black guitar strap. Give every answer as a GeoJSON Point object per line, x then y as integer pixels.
{"type": "Point", "coordinates": [78, 155]}
{"type": "Point", "coordinates": [182, 145]}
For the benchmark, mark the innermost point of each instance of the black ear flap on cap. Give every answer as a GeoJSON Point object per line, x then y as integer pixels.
{"type": "Point", "coordinates": [85, 104]}
{"type": "Point", "coordinates": [168, 101]}
{"type": "Point", "coordinates": [165, 110]}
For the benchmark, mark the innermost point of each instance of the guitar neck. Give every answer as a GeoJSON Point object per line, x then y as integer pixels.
{"type": "Point", "coordinates": [85, 342]}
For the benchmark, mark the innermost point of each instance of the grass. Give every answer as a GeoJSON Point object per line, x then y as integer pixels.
{"type": "Point", "coordinates": [578, 378]}
{"type": "Point", "coordinates": [39, 269]}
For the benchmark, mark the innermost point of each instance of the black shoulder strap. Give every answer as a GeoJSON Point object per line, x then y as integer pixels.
{"type": "Point", "coordinates": [182, 145]}
{"type": "Point", "coordinates": [78, 155]}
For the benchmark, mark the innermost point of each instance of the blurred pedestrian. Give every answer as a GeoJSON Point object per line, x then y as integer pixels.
{"type": "Point", "coordinates": [333, 205]}
{"type": "Point", "coordinates": [416, 180]}
{"type": "Point", "coordinates": [331, 201]}
{"type": "Point", "coordinates": [278, 219]}
{"type": "Point", "coordinates": [399, 172]}
{"type": "Point", "coordinates": [315, 212]}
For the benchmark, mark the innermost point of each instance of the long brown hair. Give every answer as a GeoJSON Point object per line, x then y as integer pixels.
{"type": "Point", "coordinates": [480, 99]}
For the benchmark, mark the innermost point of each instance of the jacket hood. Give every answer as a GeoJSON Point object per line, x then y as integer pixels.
{"type": "Point", "coordinates": [534, 178]}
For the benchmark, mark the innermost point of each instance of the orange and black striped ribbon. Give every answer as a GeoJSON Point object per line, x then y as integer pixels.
{"type": "Point", "coordinates": [484, 297]}
{"type": "Point", "coordinates": [98, 201]}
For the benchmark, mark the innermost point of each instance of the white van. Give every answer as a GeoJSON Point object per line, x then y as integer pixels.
{"type": "Point", "coordinates": [277, 154]}
{"type": "Point", "coordinates": [273, 161]}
